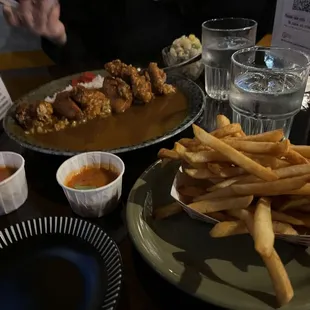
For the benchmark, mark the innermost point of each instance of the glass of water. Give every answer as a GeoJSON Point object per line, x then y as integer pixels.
{"type": "Point", "coordinates": [220, 39]}
{"type": "Point", "coordinates": [267, 87]}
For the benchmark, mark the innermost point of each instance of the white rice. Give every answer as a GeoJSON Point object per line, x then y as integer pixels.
{"type": "Point", "coordinates": [94, 84]}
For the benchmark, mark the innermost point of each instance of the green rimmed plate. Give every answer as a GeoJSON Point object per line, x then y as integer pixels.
{"type": "Point", "coordinates": [226, 272]}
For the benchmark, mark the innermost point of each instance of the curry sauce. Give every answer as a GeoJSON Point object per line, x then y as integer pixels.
{"type": "Point", "coordinates": [136, 125]}
{"type": "Point", "coordinates": [91, 177]}
{"type": "Point", "coordinates": [6, 172]}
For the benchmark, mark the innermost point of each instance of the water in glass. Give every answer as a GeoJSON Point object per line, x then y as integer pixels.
{"type": "Point", "coordinates": [216, 57]}
{"type": "Point", "coordinates": [264, 101]}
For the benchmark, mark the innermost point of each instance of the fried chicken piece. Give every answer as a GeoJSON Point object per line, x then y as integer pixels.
{"type": "Point", "coordinates": [119, 93]}
{"type": "Point", "coordinates": [158, 79]}
{"type": "Point", "coordinates": [36, 114]}
{"type": "Point", "coordinates": [116, 68]}
{"type": "Point", "coordinates": [119, 69]}
{"type": "Point", "coordinates": [43, 111]}
{"type": "Point", "coordinates": [141, 87]}
{"type": "Point", "coordinates": [93, 102]}
{"type": "Point", "coordinates": [23, 116]}
{"type": "Point", "coordinates": [66, 107]}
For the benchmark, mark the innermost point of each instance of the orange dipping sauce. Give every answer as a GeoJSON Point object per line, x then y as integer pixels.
{"type": "Point", "coordinates": [92, 177]}
{"type": "Point", "coordinates": [6, 172]}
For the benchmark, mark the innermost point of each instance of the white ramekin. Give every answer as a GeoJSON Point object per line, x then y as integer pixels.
{"type": "Point", "coordinates": [14, 189]}
{"type": "Point", "coordinates": [94, 202]}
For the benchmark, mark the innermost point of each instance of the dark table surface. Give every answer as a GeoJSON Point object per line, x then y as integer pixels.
{"type": "Point", "coordinates": [143, 288]}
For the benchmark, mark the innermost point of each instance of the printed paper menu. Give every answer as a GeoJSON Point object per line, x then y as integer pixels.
{"type": "Point", "coordinates": [292, 25]}
{"type": "Point", "coordinates": [5, 100]}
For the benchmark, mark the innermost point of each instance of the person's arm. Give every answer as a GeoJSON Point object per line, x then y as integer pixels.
{"type": "Point", "coordinates": [67, 54]}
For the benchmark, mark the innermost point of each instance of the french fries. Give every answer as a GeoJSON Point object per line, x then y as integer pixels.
{"type": "Point", "coordinates": [227, 130]}
{"type": "Point", "coordinates": [263, 233]}
{"type": "Point", "coordinates": [303, 191]}
{"type": "Point", "coordinates": [220, 204]}
{"type": "Point", "coordinates": [270, 136]}
{"type": "Point", "coordinates": [222, 121]}
{"type": "Point", "coordinates": [228, 228]}
{"type": "Point", "coordinates": [284, 229]}
{"type": "Point", "coordinates": [168, 154]}
{"type": "Point", "coordinates": [233, 227]}
{"type": "Point", "coordinates": [281, 282]}
{"type": "Point", "coordinates": [303, 150]}
{"type": "Point", "coordinates": [269, 160]}
{"type": "Point", "coordinates": [295, 158]}
{"type": "Point", "coordinates": [257, 185]}
{"type": "Point", "coordinates": [251, 147]}
{"type": "Point", "coordinates": [286, 218]}
{"type": "Point", "coordinates": [225, 170]}
{"type": "Point", "coordinates": [225, 192]}
{"type": "Point", "coordinates": [236, 157]}
{"type": "Point", "coordinates": [205, 157]}
{"type": "Point", "coordinates": [200, 173]}
{"type": "Point", "coordinates": [273, 188]}
{"type": "Point", "coordinates": [225, 183]}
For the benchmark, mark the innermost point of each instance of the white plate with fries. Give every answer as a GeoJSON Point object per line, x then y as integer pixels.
{"type": "Point", "coordinates": [235, 184]}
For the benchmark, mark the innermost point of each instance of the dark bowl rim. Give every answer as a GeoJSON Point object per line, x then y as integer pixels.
{"type": "Point", "coordinates": [117, 289]}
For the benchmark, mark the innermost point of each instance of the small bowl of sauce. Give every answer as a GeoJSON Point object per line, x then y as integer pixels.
{"type": "Point", "coordinates": [92, 182]}
{"type": "Point", "coordinates": [13, 183]}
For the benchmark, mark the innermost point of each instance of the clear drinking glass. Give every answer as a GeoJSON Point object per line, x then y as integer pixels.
{"type": "Point", "coordinates": [220, 39]}
{"type": "Point", "coordinates": [267, 87]}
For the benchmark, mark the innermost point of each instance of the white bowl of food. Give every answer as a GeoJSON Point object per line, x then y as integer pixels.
{"type": "Point", "coordinates": [184, 56]}
{"type": "Point", "coordinates": [92, 182]}
{"type": "Point", "coordinates": [13, 183]}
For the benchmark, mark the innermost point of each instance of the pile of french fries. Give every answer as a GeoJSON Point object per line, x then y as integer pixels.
{"type": "Point", "coordinates": [256, 184]}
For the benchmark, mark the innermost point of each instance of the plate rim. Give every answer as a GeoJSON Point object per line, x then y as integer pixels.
{"type": "Point", "coordinates": [16, 232]}
{"type": "Point", "coordinates": [139, 245]}
{"type": "Point", "coordinates": [123, 149]}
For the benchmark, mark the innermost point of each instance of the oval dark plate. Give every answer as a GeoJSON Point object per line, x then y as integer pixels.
{"type": "Point", "coordinates": [190, 89]}
{"type": "Point", "coordinates": [58, 263]}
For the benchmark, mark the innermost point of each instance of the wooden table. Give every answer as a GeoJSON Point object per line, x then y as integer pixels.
{"type": "Point", "coordinates": [265, 41]}
{"type": "Point", "coordinates": [143, 289]}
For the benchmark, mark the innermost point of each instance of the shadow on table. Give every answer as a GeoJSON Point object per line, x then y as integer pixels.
{"type": "Point", "coordinates": [203, 268]}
